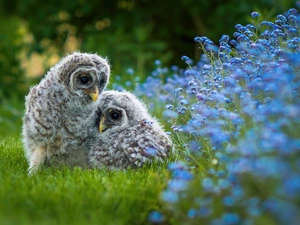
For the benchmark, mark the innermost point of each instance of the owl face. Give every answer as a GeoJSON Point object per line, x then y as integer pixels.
{"type": "Point", "coordinates": [113, 118]}
{"type": "Point", "coordinates": [85, 81]}
{"type": "Point", "coordinates": [118, 110]}
{"type": "Point", "coordinates": [84, 75]}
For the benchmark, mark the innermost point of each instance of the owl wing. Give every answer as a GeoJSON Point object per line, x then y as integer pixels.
{"type": "Point", "coordinates": [148, 144]}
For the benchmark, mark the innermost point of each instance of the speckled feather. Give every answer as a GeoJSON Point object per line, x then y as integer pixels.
{"type": "Point", "coordinates": [56, 124]}
{"type": "Point", "coordinates": [135, 141]}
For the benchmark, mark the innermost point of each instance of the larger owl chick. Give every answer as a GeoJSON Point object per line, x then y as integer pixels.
{"type": "Point", "coordinates": [59, 110]}
{"type": "Point", "coordinates": [128, 135]}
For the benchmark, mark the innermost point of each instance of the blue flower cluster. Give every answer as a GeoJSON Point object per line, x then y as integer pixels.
{"type": "Point", "coordinates": [235, 119]}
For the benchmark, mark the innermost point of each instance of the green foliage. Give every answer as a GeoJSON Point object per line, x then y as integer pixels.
{"type": "Point", "coordinates": [11, 117]}
{"type": "Point", "coordinates": [133, 33]}
{"type": "Point", "coordinates": [137, 46]}
{"type": "Point", "coordinates": [75, 196]}
{"type": "Point", "coordinates": [13, 84]}
{"type": "Point", "coordinates": [12, 80]}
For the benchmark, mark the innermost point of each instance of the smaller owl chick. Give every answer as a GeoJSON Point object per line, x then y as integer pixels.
{"type": "Point", "coordinates": [128, 136]}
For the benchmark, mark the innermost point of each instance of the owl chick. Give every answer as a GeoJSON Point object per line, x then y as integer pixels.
{"type": "Point", "coordinates": [59, 110]}
{"type": "Point", "coordinates": [128, 136]}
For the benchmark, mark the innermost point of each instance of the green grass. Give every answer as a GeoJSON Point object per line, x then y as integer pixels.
{"type": "Point", "coordinates": [66, 196]}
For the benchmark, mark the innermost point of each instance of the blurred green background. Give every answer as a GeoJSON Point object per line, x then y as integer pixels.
{"type": "Point", "coordinates": [34, 35]}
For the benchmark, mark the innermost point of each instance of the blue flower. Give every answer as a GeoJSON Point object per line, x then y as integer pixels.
{"type": "Point", "coordinates": [228, 201]}
{"type": "Point", "coordinates": [177, 185]}
{"type": "Point", "coordinates": [185, 58]}
{"type": "Point", "coordinates": [130, 71]}
{"type": "Point", "coordinates": [170, 196]}
{"type": "Point", "coordinates": [128, 83]}
{"type": "Point", "coordinates": [156, 217]}
{"type": "Point", "coordinates": [208, 184]}
{"type": "Point", "coordinates": [224, 39]}
{"type": "Point", "coordinates": [182, 174]}
{"type": "Point", "coordinates": [235, 120]}
{"type": "Point", "coordinates": [177, 166]}
{"type": "Point", "coordinates": [204, 211]}
{"type": "Point", "coordinates": [151, 151]}
{"type": "Point", "coordinates": [230, 218]}
{"type": "Point", "coordinates": [170, 114]}
{"type": "Point", "coordinates": [292, 186]}
{"type": "Point", "coordinates": [192, 213]}
{"type": "Point", "coordinates": [157, 62]}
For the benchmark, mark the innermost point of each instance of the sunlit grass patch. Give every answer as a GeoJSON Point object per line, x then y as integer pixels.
{"type": "Point", "coordinates": [77, 196]}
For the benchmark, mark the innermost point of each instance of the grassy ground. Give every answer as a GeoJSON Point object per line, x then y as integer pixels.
{"type": "Point", "coordinates": [75, 196]}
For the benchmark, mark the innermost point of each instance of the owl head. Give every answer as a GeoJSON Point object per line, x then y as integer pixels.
{"type": "Point", "coordinates": [119, 110]}
{"type": "Point", "coordinates": [83, 75]}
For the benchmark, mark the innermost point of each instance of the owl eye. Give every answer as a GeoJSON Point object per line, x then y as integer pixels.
{"type": "Point", "coordinates": [84, 80]}
{"type": "Point", "coordinates": [115, 115]}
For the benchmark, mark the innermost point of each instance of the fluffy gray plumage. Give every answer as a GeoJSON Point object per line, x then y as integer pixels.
{"type": "Point", "coordinates": [128, 135]}
{"type": "Point", "coordinates": [59, 111]}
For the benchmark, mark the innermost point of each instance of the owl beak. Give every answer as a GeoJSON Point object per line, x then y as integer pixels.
{"type": "Point", "coordinates": [102, 126]}
{"type": "Point", "coordinates": [93, 94]}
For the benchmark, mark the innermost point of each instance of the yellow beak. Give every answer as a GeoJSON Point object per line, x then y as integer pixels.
{"type": "Point", "coordinates": [102, 125]}
{"type": "Point", "coordinates": [93, 94]}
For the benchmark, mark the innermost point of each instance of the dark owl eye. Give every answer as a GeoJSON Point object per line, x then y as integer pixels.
{"type": "Point", "coordinates": [84, 80]}
{"type": "Point", "coordinates": [115, 115]}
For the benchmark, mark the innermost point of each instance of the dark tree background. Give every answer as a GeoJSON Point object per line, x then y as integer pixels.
{"type": "Point", "coordinates": [132, 33]}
